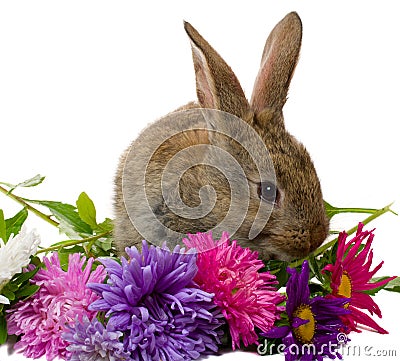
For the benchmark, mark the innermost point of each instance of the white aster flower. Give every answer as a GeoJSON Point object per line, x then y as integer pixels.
{"type": "Point", "coordinates": [15, 255]}
{"type": "Point", "coordinates": [4, 300]}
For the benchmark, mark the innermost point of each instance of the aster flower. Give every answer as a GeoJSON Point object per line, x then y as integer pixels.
{"type": "Point", "coordinates": [152, 299]}
{"type": "Point", "coordinates": [246, 297]}
{"type": "Point", "coordinates": [351, 276]}
{"type": "Point", "coordinates": [314, 323]}
{"type": "Point", "coordinates": [90, 340]}
{"type": "Point", "coordinates": [15, 255]}
{"type": "Point", "coordinates": [63, 296]}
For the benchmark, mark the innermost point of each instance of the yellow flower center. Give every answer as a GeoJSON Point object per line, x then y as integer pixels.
{"type": "Point", "coordinates": [345, 287]}
{"type": "Point", "coordinates": [305, 333]}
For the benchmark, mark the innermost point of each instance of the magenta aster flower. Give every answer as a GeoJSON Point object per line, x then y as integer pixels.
{"type": "Point", "coordinates": [314, 323]}
{"type": "Point", "coordinates": [152, 299]}
{"type": "Point", "coordinates": [247, 298]}
{"type": "Point", "coordinates": [351, 276]}
{"type": "Point", "coordinates": [63, 296]}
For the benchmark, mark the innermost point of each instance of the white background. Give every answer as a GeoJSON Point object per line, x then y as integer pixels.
{"type": "Point", "coordinates": [79, 79]}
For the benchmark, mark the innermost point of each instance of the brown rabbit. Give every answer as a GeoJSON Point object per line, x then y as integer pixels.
{"type": "Point", "coordinates": [288, 193]}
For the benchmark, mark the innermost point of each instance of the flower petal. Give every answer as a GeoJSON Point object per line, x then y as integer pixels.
{"type": "Point", "coordinates": [277, 332]}
{"type": "Point", "coordinates": [4, 300]}
{"type": "Point", "coordinates": [297, 322]}
{"type": "Point", "coordinates": [360, 317]}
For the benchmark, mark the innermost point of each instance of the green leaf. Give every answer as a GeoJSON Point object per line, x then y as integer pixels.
{"type": "Point", "coordinates": [87, 210]}
{"type": "Point", "coordinates": [107, 225]}
{"type": "Point", "coordinates": [9, 185]}
{"type": "Point", "coordinates": [277, 268]}
{"type": "Point", "coordinates": [104, 243]}
{"type": "Point", "coordinates": [15, 223]}
{"type": "Point", "coordinates": [64, 253]}
{"type": "Point", "coordinates": [317, 290]}
{"type": "Point", "coordinates": [3, 227]}
{"type": "Point", "coordinates": [23, 277]}
{"type": "Point", "coordinates": [374, 291]}
{"type": "Point", "coordinates": [66, 228]}
{"type": "Point", "coordinates": [12, 287]}
{"type": "Point", "coordinates": [8, 293]}
{"type": "Point", "coordinates": [3, 329]}
{"type": "Point", "coordinates": [27, 291]}
{"type": "Point", "coordinates": [330, 210]}
{"type": "Point", "coordinates": [393, 285]}
{"type": "Point", "coordinates": [36, 261]}
{"type": "Point", "coordinates": [274, 266]}
{"type": "Point", "coordinates": [328, 257]}
{"type": "Point", "coordinates": [282, 276]}
{"type": "Point", "coordinates": [98, 251]}
{"type": "Point", "coordinates": [315, 269]}
{"type": "Point", "coordinates": [31, 182]}
{"type": "Point", "coordinates": [67, 213]}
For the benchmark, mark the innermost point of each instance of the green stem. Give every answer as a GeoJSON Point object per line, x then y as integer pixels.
{"type": "Point", "coordinates": [323, 248]}
{"type": "Point", "coordinates": [73, 242]}
{"type": "Point", "coordinates": [40, 214]}
{"type": "Point", "coordinates": [355, 210]}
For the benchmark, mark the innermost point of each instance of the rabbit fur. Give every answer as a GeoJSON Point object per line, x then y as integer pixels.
{"type": "Point", "coordinates": [297, 224]}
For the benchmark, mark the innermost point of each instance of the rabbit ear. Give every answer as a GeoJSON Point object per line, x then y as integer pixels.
{"type": "Point", "coordinates": [278, 62]}
{"type": "Point", "coordinates": [216, 84]}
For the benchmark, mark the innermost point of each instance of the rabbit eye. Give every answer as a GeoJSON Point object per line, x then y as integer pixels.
{"type": "Point", "coordinates": [268, 192]}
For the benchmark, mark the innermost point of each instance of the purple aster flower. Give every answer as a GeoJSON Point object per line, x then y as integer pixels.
{"type": "Point", "coordinates": [90, 340]}
{"type": "Point", "coordinates": [314, 323]}
{"type": "Point", "coordinates": [152, 299]}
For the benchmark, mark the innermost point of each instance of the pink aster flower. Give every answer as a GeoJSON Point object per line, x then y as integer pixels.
{"type": "Point", "coordinates": [62, 297]}
{"type": "Point", "coordinates": [351, 276]}
{"type": "Point", "coordinates": [246, 297]}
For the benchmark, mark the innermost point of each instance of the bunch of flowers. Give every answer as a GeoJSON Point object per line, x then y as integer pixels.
{"type": "Point", "coordinates": [80, 302]}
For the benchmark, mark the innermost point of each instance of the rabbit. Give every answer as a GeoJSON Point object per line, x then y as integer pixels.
{"type": "Point", "coordinates": [297, 222]}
